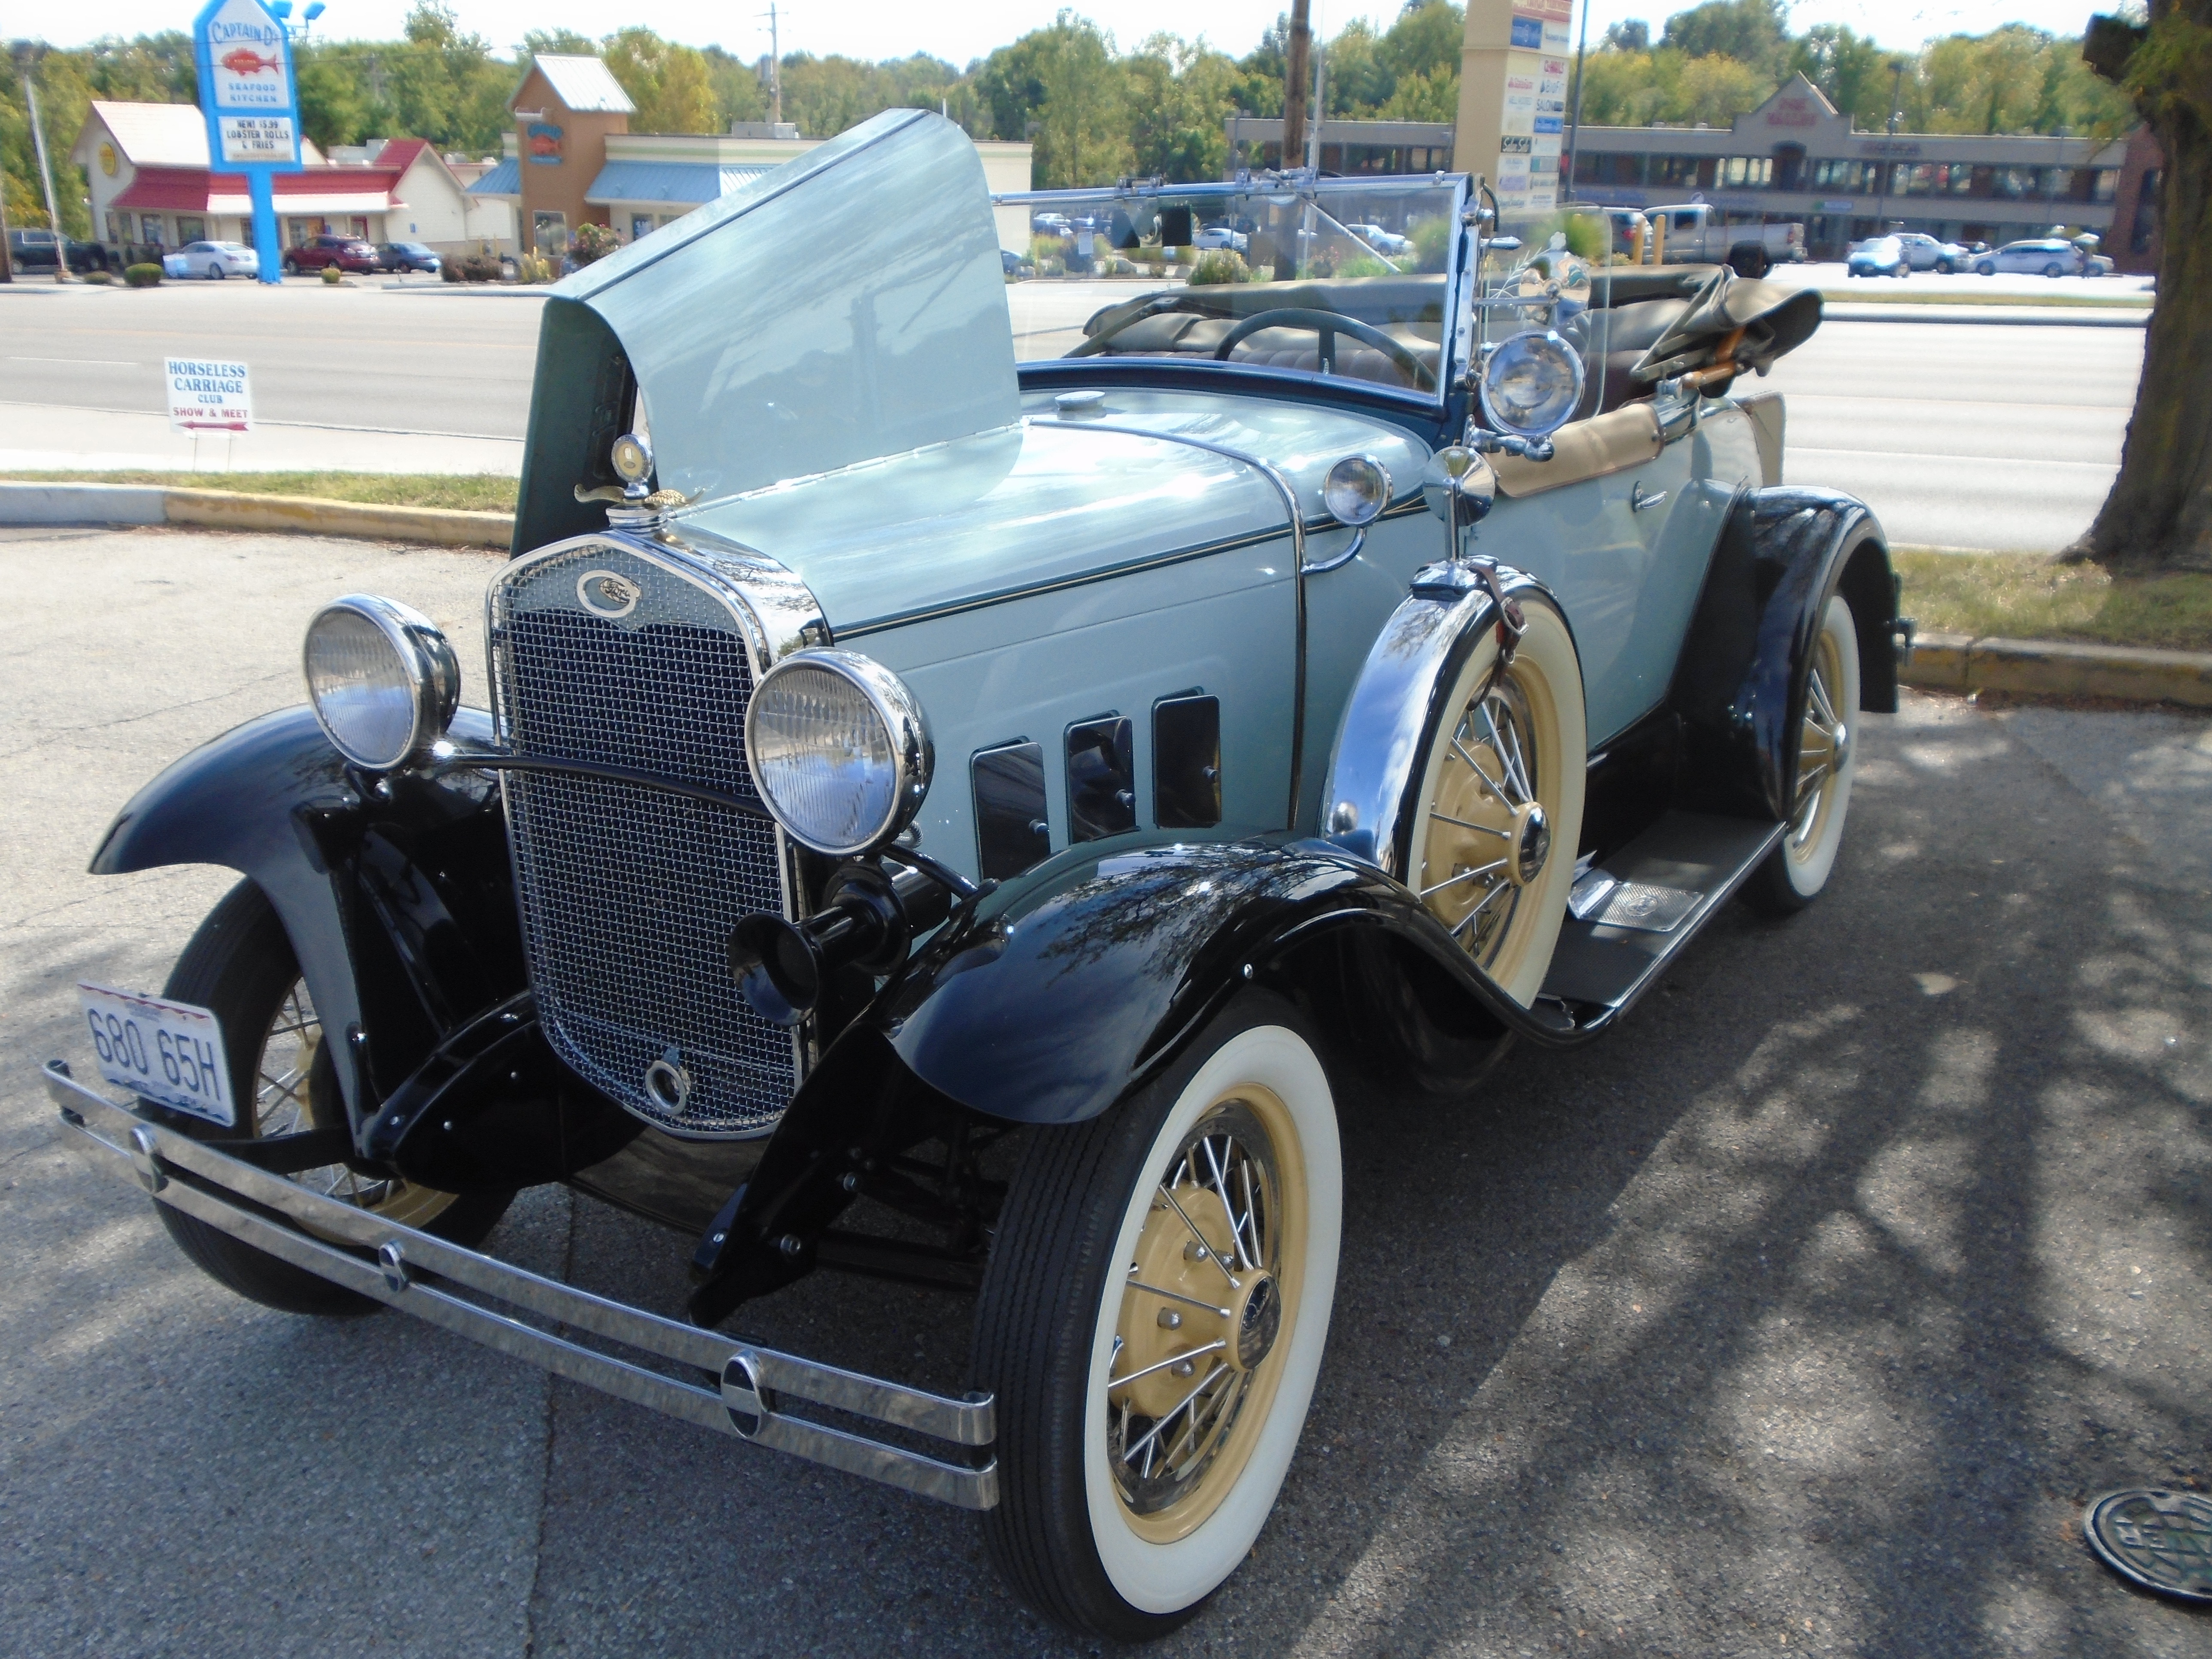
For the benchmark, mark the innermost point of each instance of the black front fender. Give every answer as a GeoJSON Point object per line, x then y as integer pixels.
{"type": "Point", "coordinates": [396, 893]}
{"type": "Point", "coordinates": [1075, 984]}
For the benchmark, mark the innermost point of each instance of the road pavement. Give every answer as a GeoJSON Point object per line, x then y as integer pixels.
{"type": "Point", "coordinates": [1958, 435]}
{"type": "Point", "coordinates": [1800, 1314]}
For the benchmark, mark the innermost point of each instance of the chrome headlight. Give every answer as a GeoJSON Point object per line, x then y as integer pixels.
{"type": "Point", "coordinates": [838, 750]}
{"type": "Point", "coordinates": [382, 678]}
{"type": "Point", "coordinates": [1531, 383]}
{"type": "Point", "coordinates": [1356, 490]}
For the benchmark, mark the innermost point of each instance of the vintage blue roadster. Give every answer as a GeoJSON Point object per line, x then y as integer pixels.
{"type": "Point", "coordinates": [972, 769]}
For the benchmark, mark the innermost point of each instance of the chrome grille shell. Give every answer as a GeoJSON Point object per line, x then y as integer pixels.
{"type": "Point", "coordinates": [628, 893]}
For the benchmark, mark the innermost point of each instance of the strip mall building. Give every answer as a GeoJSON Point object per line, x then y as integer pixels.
{"type": "Point", "coordinates": [1798, 158]}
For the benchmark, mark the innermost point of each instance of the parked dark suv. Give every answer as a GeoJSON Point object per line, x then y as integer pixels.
{"type": "Point", "coordinates": [41, 250]}
{"type": "Point", "coordinates": [346, 253]}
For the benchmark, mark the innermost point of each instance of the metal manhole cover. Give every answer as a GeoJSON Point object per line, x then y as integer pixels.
{"type": "Point", "coordinates": [2161, 1540]}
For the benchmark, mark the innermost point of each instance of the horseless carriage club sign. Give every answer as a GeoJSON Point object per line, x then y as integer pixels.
{"type": "Point", "coordinates": [251, 103]}
{"type": "Point", "coordinates": [207, 395]}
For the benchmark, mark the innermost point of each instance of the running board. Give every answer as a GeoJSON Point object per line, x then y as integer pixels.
{"type": "Point", "coordinates": [412, 1271]}
{"type": "Point", "coordinates": [1629, 916]}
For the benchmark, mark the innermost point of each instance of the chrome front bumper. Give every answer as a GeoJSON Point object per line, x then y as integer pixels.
{"type": "Point", "coordinates": [422, 1275]}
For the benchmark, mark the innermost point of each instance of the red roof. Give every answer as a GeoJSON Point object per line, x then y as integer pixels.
{"type": "Point", "coordinates": [187, 190]}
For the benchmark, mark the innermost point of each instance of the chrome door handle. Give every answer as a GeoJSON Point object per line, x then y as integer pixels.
{"type": "Point", "coordinates": [1637, 500]}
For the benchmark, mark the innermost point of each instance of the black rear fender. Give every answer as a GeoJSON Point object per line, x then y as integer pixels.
{"type": "Point", "coordinates": [1785, 551]}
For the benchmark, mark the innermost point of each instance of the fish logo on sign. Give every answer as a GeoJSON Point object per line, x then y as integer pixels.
{"type": "Point", "coordinates": [244, 61]}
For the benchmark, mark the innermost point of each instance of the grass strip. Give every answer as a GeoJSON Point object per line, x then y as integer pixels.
{"type": "Point", "coordinates": [2026, 596]}
{"type": "Point", "coordinates": [475, 492]}
{"type": "Point", "coordinates": [1866, 294]}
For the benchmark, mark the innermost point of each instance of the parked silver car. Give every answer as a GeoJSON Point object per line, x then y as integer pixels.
{"type": "Point", "coordinates": [2046, 256]}
{"type": "Point", "coordinates": [213, 260]}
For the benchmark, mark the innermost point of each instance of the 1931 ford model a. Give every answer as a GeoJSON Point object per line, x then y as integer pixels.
{"type": "Point", "coordinates": [1276, 685]}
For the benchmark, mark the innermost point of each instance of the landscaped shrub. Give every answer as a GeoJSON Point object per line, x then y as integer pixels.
{"type": "Point", "coordinates": [144, 276]}
{"type": "Point", "coordinates": [99, 277]}
{"type": "Point", "coordinates": [471, 268]}
{"type": "Point", "coordinates": [332, 276]}
{"type": "Point", "coordinates": [1365, 265]}
{"type": "Point", "coordinates": [535, 268]}
{"type": "Point", "coordinates": [592, 243]}
{"type": "Point", "coordinates": [1431, 240]}
{"type": "Point", "coordinates": [1217, 266]}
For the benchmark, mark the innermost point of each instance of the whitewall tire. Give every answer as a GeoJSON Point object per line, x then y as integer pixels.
{"type": "Point", "coordinates": [1152, 1323]}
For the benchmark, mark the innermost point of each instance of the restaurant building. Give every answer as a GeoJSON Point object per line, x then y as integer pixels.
{"type": "Point", "coordinates": [151, 186]}
{"type": "Point", "coordinates": [572, 159]}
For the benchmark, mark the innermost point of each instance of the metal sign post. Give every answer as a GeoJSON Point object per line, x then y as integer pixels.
{"type": "Point", "coordinates": [251, 103]}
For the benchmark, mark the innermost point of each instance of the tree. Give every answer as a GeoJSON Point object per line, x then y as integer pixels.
{"type": "Point", "coordinates": [1850, 70]}
{"type": "Point", "coordinates": [2159, 514]}
{"type": "Point", "coordinates": [1082, 124]}
{"type": "Point", "coordinates": [738, 92]}
{"type": "Point", "coordinates": [668, 83]}
{"type": "Point", "coordinates": [1753, 32]}
{"type": "Point", "coordinates": [1632, 34]}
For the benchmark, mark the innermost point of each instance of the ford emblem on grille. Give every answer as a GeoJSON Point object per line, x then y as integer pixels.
{"type": "Point", "coordinates": [607, 594]}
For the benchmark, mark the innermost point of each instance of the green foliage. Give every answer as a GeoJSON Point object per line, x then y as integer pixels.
{"type": "Point", "coordinates": [592, 243]}
{"type": "Point", "coordinates": [1432, 240]}
{"type": "Point", "coordinates": [332, 276]}
{"type": "Point", "coordinates": [470, 268]}
{"type": "Point", "coordinates": [1218, 267]}
{"type": "Point", "coordinates": [143, 276]}
{"type": "Point", "coordinates": [1754, 33]}
{"type": "Point", "coordinates": [1365, 265]}
{"type": "Point", "coordinates": [669, 83]}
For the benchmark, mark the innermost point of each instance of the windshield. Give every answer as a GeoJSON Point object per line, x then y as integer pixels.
{"type": "Point", "coordinates": [1339, 277]}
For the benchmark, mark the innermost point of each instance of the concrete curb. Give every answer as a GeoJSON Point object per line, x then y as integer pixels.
{"type": "Point", "coordinates": [229, 509]}
{"type": "Point", "coordinates": [1846, 311]}
{"type": "Point", "coordinates": [2047, 668]}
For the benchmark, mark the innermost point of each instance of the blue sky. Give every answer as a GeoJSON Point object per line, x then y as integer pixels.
{"type": "Point", "coordinates": [889, 28]}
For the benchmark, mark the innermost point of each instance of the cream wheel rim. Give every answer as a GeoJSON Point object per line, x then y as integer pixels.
{"type": "Point", "coordinates": [1823, 752]}
{"type": "Point", "coordinates": [1493, 806]}
{"type": "Point", "coordinates": [1211, 1299]}
{"type": "Point", "coordinates": [283, 1104]}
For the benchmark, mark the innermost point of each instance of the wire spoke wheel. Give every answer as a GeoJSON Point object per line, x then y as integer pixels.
{"type": "Point", "coordinates": [239, 965]}
{"type": "Point", "coordinates": [285, 1080]}
{"type": "Point", "coordinates": [1827, 759]}
{"type": "Point", "coordinates": [1153, 1322]}
{"type": "Point", "coordinates": [1493, 850]}
{"type": "Point", "coordinates": [1201, 1309]}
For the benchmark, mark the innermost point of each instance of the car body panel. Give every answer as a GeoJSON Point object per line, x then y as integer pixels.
{"type": "Point", "coordinates": [748, 379]}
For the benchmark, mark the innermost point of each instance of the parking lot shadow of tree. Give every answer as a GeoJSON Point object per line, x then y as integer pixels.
{"type": "Point", "coordinates": [1800, 1313]}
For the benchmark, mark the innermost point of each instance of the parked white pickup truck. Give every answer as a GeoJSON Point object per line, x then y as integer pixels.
{"type": "Point", "coordinates": [1697, 233]}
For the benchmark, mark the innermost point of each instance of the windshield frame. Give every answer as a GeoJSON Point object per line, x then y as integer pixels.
{"type": "Point", "coordinates": [1455, 324]}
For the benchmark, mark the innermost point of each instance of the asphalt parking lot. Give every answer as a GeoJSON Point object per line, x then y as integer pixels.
{"type": "Point", "coordinates": [1800, 1315]}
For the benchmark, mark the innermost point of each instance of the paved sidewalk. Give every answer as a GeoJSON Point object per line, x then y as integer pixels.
{"type": "Point", "coordinates": [1799, 1316]}
{"type": "Point", "coordinates": [42, 437]}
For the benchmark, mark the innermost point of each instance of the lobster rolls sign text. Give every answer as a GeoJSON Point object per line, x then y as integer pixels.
{"type": "Point", "coordinates": [246, 87]}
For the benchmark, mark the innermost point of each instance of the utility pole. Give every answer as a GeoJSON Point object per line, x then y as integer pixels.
{"type": "Point", "coordinates": [1575, 117]}
{"type": "Point", "coordinates": [1320, 109]}
{"type": "Point", "coordinates": [775, 68]}
{"type": "Point", "coordinates": [26, 55]}
{"type": "Point", "coordinates": [1896, 95]}
{"type": "Point", "coordinates": [1294, 83]}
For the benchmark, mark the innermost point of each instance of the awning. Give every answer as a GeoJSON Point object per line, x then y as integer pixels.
{"type": "Point", "coordinates": [505, 179]}
{"type": "Point", "coordinates": [684, 183]}
{"type": "Point", "coordinates": [322, 190]}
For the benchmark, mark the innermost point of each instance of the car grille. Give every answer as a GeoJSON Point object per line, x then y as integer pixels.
{"type": "Point", "coordinates": [629, 893]}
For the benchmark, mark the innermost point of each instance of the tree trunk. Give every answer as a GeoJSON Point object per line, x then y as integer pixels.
{"type": "Point", "coordinates": [2159, 515]}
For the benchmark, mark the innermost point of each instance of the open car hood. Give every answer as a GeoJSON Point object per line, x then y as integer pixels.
{"type": "Point", "coordinates": [850, 305]}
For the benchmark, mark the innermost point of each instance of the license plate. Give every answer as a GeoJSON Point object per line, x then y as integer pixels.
{"type": "Point", "coordinates": [169, 1052]}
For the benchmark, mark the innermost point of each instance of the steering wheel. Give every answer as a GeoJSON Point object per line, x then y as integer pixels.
{"type": "Point", "coordinates": [1328, 325]}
